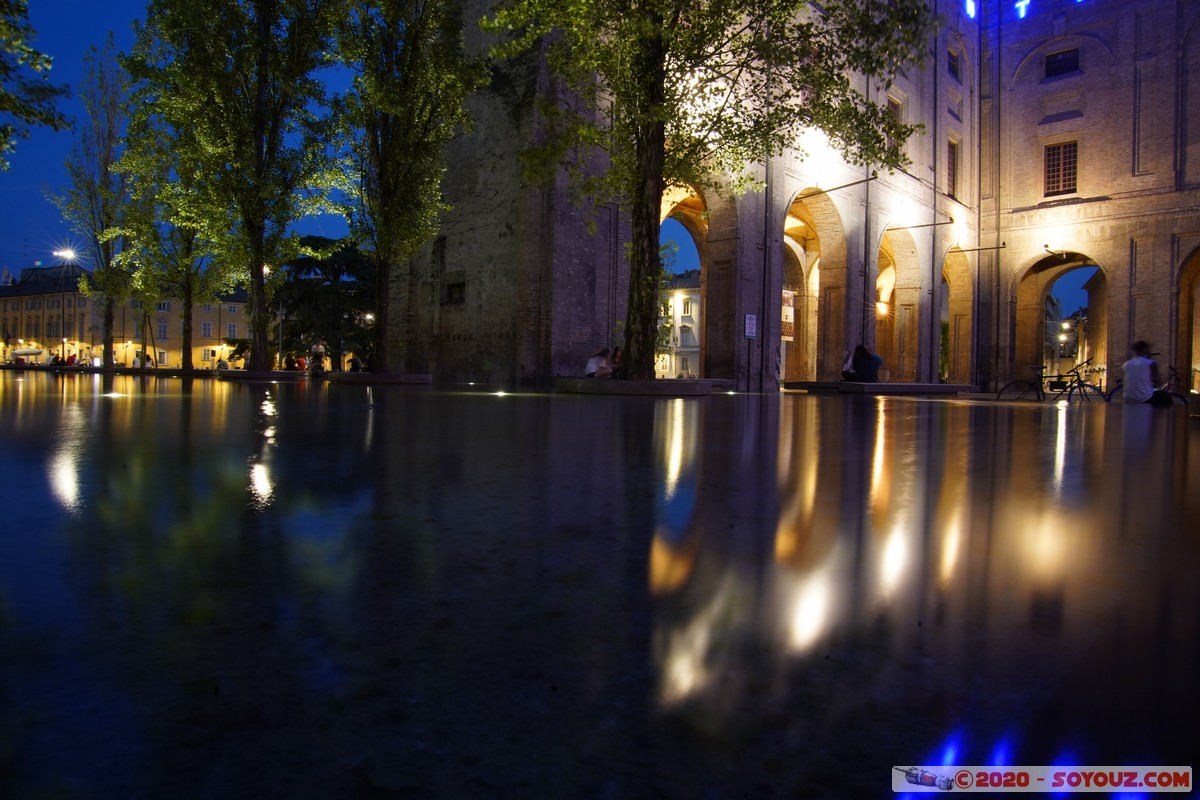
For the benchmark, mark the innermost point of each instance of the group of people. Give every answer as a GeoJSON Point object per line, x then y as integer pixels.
{"type": "Point", "coordinates": [604, 363]}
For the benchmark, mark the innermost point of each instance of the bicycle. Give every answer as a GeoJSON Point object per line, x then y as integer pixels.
{"type": "Point", "coordinates": [1070, 383]}
{"type": "Point", "coordinates": [1170, 386]}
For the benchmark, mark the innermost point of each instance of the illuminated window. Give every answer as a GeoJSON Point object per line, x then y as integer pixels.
{"type": "Point", "coordinates": [206, 329]}
{"type": "Point", "coordinates": [1061, 168]}
{"type": "Point", "coordinates": [1062, 63]}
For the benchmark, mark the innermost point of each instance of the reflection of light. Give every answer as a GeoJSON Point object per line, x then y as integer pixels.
{"type": "Point", "coordinates": [1044, 546]}
{"type": "Point", "coordinates": [114, 394]}
{"type": "Point", "coordinates": [260, 482]}
{"type": "Point", "coordinates": [1060, 449]}
{"type": "Point", "coordinates": [674, 447]}
{"type": "Point", "coordinates": [268, 406]}
{"type": "Point", "coordinates": [895, 558]}
{"type": "Point", "coordinates": [877, 462]}
{"type": "Point", "coordinates": [64, 466]}
{"type": "Point", "coordinates": [950, 549]}
{"type": "Point", "coordinates": [269, 433]}
{"type": "Point", "coordinates": [501, 394]}
{"type": "Point", "coordinates": [810, 613]}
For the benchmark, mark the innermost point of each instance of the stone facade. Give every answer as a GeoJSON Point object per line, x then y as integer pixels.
{"type": "Point", "coordinates": [964, 243]}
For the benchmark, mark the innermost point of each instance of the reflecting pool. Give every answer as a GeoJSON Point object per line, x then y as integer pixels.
{"type": "Point", "coordinates": [219, 590]}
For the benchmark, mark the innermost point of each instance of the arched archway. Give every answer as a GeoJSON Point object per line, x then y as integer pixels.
{"type": "Point", "coordinates": [1037, 324]}
{"type": "Point", "coordinates": [688, 306]}
{"type": "Point", "coordinates": [1187, 345]}
{"type": "Point", "coordinates": [814, 283]}
{"type": "Point", "coordinates": [898, 303]}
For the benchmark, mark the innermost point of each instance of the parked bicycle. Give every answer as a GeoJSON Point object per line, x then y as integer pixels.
{"type": "Point", "coordinates": [1069, 386]}
{"type": "Point", "coordinates": [1171, 386]}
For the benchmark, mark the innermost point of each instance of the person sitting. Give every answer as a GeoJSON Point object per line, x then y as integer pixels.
{"type": "Point", "coordinates": [615, 362]}
{"type": "Point", "coordinates": [864, 366]}
{"type": "Point", "coordinates": [222, 363]}
{"type": "Point", "coordinates": [289, 364]}
{"type": "Point", "coordinates": [598, 365]}
{"type": "Point", "coordinates": [1140, 377]}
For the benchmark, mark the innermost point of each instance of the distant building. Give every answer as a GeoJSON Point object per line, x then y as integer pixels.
{"type": "Point", "coordinates": [44, 314]}
{"type": "Point", "coordinates": [678, 351]}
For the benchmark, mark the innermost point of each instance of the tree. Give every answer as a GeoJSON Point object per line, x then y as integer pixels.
{"type": "Point", "coordinates": [170, 240]}
{"type": "Point", "coordinates": [331, 298]}
{"type": "Point", "coordinates": [410, 80]}
{"type": "Point", "coordinates": [676, 92]}
{"type": "Point", "coordinates": [97, 194]}
{"type": "Point", "coordinates": [239, 76]}
{"type": "Point", "coordinates": [26, 98]}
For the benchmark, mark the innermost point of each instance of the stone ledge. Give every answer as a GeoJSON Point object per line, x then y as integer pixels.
{"type": "Point", "coordinates": [855, 387]}
{"type": "Point", "coordinates": [608, 386]}
{"type": "Point", "coordinates": [377, 378]}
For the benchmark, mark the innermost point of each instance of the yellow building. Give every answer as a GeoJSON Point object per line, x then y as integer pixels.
{"type": "Point", "coordinates": [44, 315]}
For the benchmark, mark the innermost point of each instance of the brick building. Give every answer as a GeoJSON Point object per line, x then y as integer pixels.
{"type": "Point", "coordinates": [1058, 135]}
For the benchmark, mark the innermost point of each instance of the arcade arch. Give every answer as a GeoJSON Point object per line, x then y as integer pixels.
{"type": "Point", "coordinates": [814, 281]}
{"type": "Point", "coordinates": [1188, 330]}
{"type": "Point", "coordinates": [1039, 326]}
{"type": "Point", "coordinates": [897, 305]}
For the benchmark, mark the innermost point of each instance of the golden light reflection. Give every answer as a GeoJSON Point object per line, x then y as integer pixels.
{"type": "Point", "coordinates": [880, 485]}
{"type": "Point", "coordinates": [63, 468]}
{"type": "Point", "coordinates": [260, 482]}
{"type": "Point", "coordinates": [675, 445]}
{"type": "Point", "coordinates": [951, 542]}
{"type": "Point", "coordinates": [810, 612]}
{"type": "Point", "coordinates": [268, 406]}
{"type": "Point", "coordinates": [894, 558]}
{"type": "Point", "coordinates": [670, 564]}
{"type": "Point", "coordinates": [1060, 448]}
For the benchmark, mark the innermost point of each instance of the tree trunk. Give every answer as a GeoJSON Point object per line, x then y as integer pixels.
{"type": "Point", "coordinates": [379, 358]}
{"type": "Point", "coordinates": [641, 325]}
{"type": "Point", "coordinates": [109, 314]}
{"type": "Point", "coordinates": [186, 299]}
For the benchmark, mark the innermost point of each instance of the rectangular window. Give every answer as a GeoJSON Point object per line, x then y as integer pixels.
{"type": "Point", "coordinates": [206, 307]}
{"type": "Point", "coordinates": [162, 331]}
{"type": "Point", "coordinates": [232, 309]}
{"type": "Point", "coordinates": [456, 293]}
{"type": "Point", "coordinates": [206, 329]}
{"type": "Point", "coordinates": [439, 255]}
{"type": "Point", "coordinates": [231, 331]}
{"type": "Point", "coordinates": [953, 65]}
{"type": "Point", "coordinates": [1061, 168]}
{"type": "Point", "coordinates": [1062, 63]}
{"type": "Point", "coordinates": [208, 354]}
{"type": "Point", "coordinates": [687, 307]}
{"type": "Point", "coordinates": [952, 168]}
{"type": "Point", "coordinates": [165, 305]}
{"type": "Point", "coordinates": [893, 107]}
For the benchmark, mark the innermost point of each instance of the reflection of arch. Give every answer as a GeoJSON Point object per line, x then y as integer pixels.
{"type": "Point", "coordinates": [814, 274]}
{"type": "Point", "coordinates": [1029, 321]}
{"type": "Point", "coordinates": [957, 302]}
{"type": "Point", "coordinates": [896, 327]}
{"type": "Point", "coordinates": [1188, 330]}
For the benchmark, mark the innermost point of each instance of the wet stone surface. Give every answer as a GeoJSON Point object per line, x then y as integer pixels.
{"type": "Point", "coordinates": [215, 590]}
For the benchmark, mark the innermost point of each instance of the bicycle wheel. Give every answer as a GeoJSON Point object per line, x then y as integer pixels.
{"type": "Point", "coordinates": [1117, 394]}
{"type": "Point", "coordinates": [1178, 399]}
{"type": "Point", "coordinates": [1017, 390]}
{"type": "Point", "coordinates": [1086, 393]}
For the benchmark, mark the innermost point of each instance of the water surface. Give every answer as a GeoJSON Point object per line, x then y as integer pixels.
{"type": "Point", "coordinates": [219, 590]}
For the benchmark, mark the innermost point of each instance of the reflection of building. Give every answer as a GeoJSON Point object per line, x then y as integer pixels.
{"type": "Point", "coordinates": [1057, 135]}
{"type": "Point", "coordinates": [679, 353]}
{"type": "Point", "coordinates": [44, 314]}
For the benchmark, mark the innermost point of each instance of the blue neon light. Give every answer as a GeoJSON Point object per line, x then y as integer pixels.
{"type": "Point", "coordinates": [971, 8]}
{"type": "Point", "coordinates": [1021, 6]}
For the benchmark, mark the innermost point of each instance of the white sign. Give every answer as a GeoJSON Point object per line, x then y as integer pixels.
{"type": "Point", "coordinates": [751, 326]}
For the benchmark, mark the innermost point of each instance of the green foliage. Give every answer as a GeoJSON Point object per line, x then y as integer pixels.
{"type": "Point", "coordinates": [239, 78]}
{"type": "Point", "coordinates": [26, 99]}
{"type": "Point", "coordinates": [328, 295]}
{"type": "Point", "coordinates": [410, 80]}
{"type": "Point", "coordinates": [678, 92]}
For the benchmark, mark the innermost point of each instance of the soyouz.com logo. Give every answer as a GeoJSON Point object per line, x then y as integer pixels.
{"type": "Point", "coordinates": [1041, 779]}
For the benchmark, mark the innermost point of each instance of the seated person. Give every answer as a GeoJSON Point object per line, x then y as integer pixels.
{"type": "Point", "coordinates": [864, 366]}
{"type": "Point", "coordinates": [1140, 377]}
{"type": "Point", "coordinates": [598, 365]}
